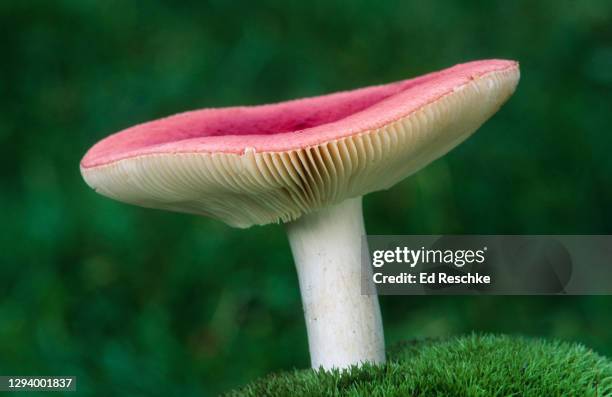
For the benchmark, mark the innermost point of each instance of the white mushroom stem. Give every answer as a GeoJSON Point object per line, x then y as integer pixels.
{"type": "Point", "coordinates": [344, 326]}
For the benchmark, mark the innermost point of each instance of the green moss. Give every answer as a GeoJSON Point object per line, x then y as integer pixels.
{"type": "Point", "coordinates": [475, 365]}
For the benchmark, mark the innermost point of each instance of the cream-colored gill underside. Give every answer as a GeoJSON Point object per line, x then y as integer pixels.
{"type": "Point", "coordinates": [260, 188]}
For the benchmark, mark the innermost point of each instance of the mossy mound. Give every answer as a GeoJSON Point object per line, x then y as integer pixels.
{"type": "Point", "coordinates": [475, 365]}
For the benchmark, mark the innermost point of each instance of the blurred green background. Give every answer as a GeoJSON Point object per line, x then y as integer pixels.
{"type": "Point", "coordinates": [143, 302]}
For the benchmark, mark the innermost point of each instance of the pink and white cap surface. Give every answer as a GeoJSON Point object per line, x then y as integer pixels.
{"type": "Point", "coordinates": [270, 163]}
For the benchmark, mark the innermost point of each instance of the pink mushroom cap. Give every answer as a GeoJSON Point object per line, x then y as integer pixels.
{"type": "Point", "coordinates": [258, 164]}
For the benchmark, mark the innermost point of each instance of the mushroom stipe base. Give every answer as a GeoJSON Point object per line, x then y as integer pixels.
{"type": "Point", "coordinates": [344, 326]}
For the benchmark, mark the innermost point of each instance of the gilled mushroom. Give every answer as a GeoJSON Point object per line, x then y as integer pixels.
{"type": "Point", "coordinates": [306, 163]}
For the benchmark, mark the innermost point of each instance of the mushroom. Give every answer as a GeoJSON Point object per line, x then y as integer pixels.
{"type": "Point", "coordinates": [306, 163]}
